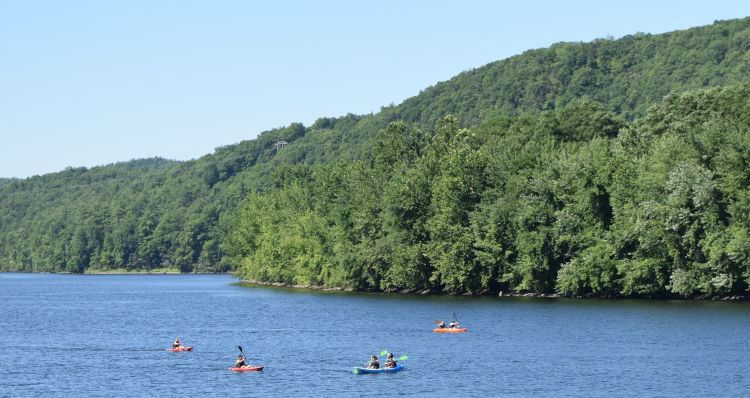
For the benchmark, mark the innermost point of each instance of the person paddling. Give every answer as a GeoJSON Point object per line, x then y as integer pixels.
{"type": "Point", "coordinates": [442, 325]}
{"type": "Point", "coordinates": [177, 343]}
{"type": "Point", "coordinates": [241, 362]}
{"type": "Point", "coordinates": [455, 325]}
{"type": "Point", "coordinates": [390, 362]}
{"type": "Point", "coordinates": [373, 364]}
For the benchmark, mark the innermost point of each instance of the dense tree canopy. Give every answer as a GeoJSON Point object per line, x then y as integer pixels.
{"type": "Point", "coordinates": [575, 200]}
{"type": "Point", "coordinates": [5, 181]}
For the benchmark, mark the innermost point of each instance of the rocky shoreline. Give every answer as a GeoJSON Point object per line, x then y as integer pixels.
{"type": "Point", "coordinates": [513, 294]}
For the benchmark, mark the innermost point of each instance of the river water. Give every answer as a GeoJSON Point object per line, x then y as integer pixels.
{"type": "Point", "coordinates": [105, 335]}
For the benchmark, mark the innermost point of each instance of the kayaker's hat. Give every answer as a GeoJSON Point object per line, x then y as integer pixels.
{"type": "Point", "coordinates": [390, 355]}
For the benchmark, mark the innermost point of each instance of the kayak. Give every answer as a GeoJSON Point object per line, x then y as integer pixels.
{"type": "Point", "coordinates": [446, 330]}
{"type": "Point", "coordinates": [386, 370]}
{"type": "Point", "coordinates": [180, 349]}
{"type": "Point", "coordinates": [253, 369]}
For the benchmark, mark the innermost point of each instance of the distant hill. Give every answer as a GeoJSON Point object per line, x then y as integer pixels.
{"type": "Point", "coordinates": [155, 212]}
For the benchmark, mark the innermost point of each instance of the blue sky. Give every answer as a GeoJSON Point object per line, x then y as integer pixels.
{"type": "Point", "coordinates": [85, 83]}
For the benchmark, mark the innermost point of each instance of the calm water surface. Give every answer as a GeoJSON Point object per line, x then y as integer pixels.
{"type": "Point", "coordinates": [105, 335]}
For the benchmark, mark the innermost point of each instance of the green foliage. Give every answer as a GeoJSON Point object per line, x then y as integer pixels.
{"type": "Point", "coordinates": [627, 75]}
{"type": "Point", "coordinates": [138, 215]}
{"type": "Point", "coordinates": [6, 181]}
{"type": "Point", "coordinates": [574, 200]}
{"type": "Point", "coordinates": [151, 164]}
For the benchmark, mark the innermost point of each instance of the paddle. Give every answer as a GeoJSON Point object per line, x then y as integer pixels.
{"type": "Point", "coordinates": [401, 358]}
{"type": "Point", "coordinates": [454, 317]}
{"type": "Point", "coordinates": [243, 354]}
{"type": "Point", "coordinates": [436, 321]}
{"type": "Point", "coordinates": [379, 355]}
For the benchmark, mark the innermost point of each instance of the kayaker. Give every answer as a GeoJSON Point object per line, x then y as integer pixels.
{"type": "Point", "coordinates": [241, 362]}
{"type": "Point", "coordinates": [455, 325]}
{"type": "Point", "coordinates": [390, 362]}
{"type": "Point", "coordinates": [177, 343]}
{"type": "Point", "coordinates": [373, 364]}
{"type": "Point", "coordinates": [442, 325]}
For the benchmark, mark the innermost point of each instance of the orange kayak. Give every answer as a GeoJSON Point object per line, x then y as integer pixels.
{"type": "Point", "coordinates": [180, 349]}
{"type": "Point", "coordinates": [251, 369]}
{"type": "Point", "coordinates": [446, 330]}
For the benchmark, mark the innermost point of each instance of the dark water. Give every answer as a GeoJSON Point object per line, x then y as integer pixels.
{"type": "Point", "coordinates": [105, 335]}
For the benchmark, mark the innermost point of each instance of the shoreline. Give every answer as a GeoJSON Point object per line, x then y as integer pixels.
{"type": "Point", "coordinates": [495, 293]}
{"type": "Point", "coordinates": [501, 294]}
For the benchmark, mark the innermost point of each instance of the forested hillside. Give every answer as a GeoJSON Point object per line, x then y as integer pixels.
{"type": "Point", "coordinates": [142, 214]}
{"type": "Point", "coordinates": [575, 200]}
{"type": "Point", "coordinates": [155, 213]}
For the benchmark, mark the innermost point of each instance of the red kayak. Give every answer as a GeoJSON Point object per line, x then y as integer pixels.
{"type": "Point", "coordinates": [180, 349]}
{"type": "Point", "coordinates": [446, 330]}
{"type": "Point", "coordinates": [251, 369]}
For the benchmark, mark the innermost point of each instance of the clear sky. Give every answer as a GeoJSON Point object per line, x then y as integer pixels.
{"type": "Point", "coordinates": [85, 83]}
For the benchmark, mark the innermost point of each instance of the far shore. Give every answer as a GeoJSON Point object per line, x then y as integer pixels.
{"type": "Point", "coordinates": [511, 293]}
